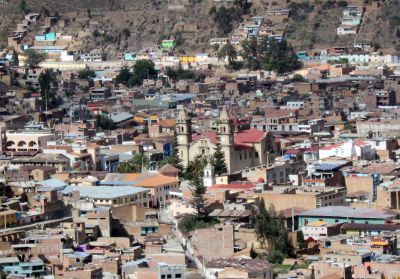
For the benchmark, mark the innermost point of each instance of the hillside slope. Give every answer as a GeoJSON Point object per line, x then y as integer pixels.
{"type": "Point", "coordinates": [116, 26]}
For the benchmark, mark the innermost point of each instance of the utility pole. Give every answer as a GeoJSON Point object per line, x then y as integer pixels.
{"type": "Point", "coordinates": [45, 94]}
{"type": "Point", "coordinates": [292, 219]}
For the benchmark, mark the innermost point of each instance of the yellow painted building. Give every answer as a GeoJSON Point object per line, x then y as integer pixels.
{"type": "Point", "coordinates": [8, 217]}
{"type": "Point", "coordinates": [143, 119]}
{"type": "Point", "coordinates": [187, 59]}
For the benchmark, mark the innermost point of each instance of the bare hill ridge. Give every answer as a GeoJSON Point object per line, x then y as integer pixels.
{"type": "Point", "coordinates": [116, 26]}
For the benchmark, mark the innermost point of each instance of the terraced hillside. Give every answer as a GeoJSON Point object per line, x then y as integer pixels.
{"type": "Point", "coordinates": [116, 26]}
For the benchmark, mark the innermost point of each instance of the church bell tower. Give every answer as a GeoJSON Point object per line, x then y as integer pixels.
{"type": "Point", "coordinates": [183, 129]}
{"type": "Point", "coordinates": [225, 134]}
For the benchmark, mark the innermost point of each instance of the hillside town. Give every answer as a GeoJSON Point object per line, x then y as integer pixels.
{"type": "Point", "coordinates": [251, 160]}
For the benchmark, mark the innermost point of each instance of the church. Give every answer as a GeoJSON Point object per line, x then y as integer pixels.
{"type": "Point", "coordinates": [242, 149]}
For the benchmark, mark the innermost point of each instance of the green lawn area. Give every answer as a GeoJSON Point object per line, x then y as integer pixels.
{"type": "Point", "coordinates": [281, 268]}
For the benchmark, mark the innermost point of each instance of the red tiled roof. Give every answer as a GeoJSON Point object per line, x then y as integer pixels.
{"type": "Point", "coordinates": [93, 105]}
{"type": "Point", "coordinates": [211, 135]}
{"type": "Point", "coordinates": [329, 147]}
{"type": "Point", "coordinates": [360, 143]}
{"type": "Point", "coordinates": [313, 180]}
{"type": "Point", "coordinates": [312, 148]}
{"type": "Point", "coordinates": [249, 136]}
{"type": "Point", "coordinates": [278, 113]}
{"type": "Point", "coordinates": [241, 139]}
{"type": "Point", "coordinates": [167, 123]}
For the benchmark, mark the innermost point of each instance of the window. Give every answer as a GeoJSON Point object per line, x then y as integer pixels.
{"type": "Point", "coordinates": [169, 276]}
{"type": "Point", "coordinates": [163, 276]}
{"type": "Point", "coordinates": [178, 275]}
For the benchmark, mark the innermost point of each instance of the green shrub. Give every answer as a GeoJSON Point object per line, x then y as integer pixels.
{"type": "Point", "coordinates": [190, 223]}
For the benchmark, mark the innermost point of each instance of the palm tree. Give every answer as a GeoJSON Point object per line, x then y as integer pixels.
{"type": "Point", "coordinates": [134, 165]}
{"type": "Point", "coordinates": [195, 168]}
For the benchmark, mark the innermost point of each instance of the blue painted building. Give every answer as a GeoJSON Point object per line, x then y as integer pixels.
{"type": "Point", "coordinates": [51, 36]}
{"type": "Point", "coordinates": [130, 56]}
{"type": "Point", "coordinates": [12, 265]}
{"type": "Point", "coordinates": [345, 214]}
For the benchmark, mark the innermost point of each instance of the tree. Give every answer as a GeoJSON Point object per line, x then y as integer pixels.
{"type": "Point", "coordinates": [96, 33]}
{"type": "Point", "coordinates": [250, 53]}
{"type": "Point", "coordinates": [277, 56]}
{"type": "Point", "coordinates": [126, 32]}
{"type": "Point", "coordinates": [174, 159]}
{"type": "Point", "coordinates": [179, 39]}
{"type": "Point", "coordinates": [342, 3]}
{"type": "Point", "coordinates": [339, 61]}
{"type": "Point", "coordinates": [34, 58]}
{"type": "Point", "coordinates": [195, 168]}
{"type": "Point", "coordinates": [229, 51]}
{"type": "Point", "coordinates": [134, 165]}
{"type": "Point", "coordinates": [218, 160]}
{"type": "Point", "coordinates": [104, 123]}
{"type": "Point", "coordinates": [142, 69]}
{"type": "Point", "coordinates": [376, 46]}
{"type": "Point", "coordinates": [24, 7]}
{"type": "Point", "coordinates": [15, 58]}
{"type": "Point", "coordinates": [272, 234]}
{"type": "Point", "coordinates": [198, 191]}
{"type": "Point", "coordinates": [44, 11]}
{"type": "Point", "coordinates": [243, 6]}
{"type": "Point", "coordinates": [224, 17]}
{"type": "Point", "coordinates": [87, 74]}
{"type": "Point", "coordinates": [47, 79]}
{"type": "Point", "coordinates": [190, 223]}
{"type": "Point", "coordinates": [123, 76]}
{"type": "Point", "coordinates": [269, 54]}
{"type": "Point", "coordinates": [262, 223]}
{"type": "Point", "coordinates": [171, 73]}
{"type": "Point", "coordinates": [179, 73]}
{"type": "Point", "coordinates": [298, 78]}
{"type": "Point", "coordinates": [301, 242]}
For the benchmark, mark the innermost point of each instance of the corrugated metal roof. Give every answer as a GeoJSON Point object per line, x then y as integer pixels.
{"type": "Point", "coordinates": [347, 212]}
{"type": "Point", "coordinates": [108, 192]}
{"type": "Point", "coordinates": [230, 213]}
